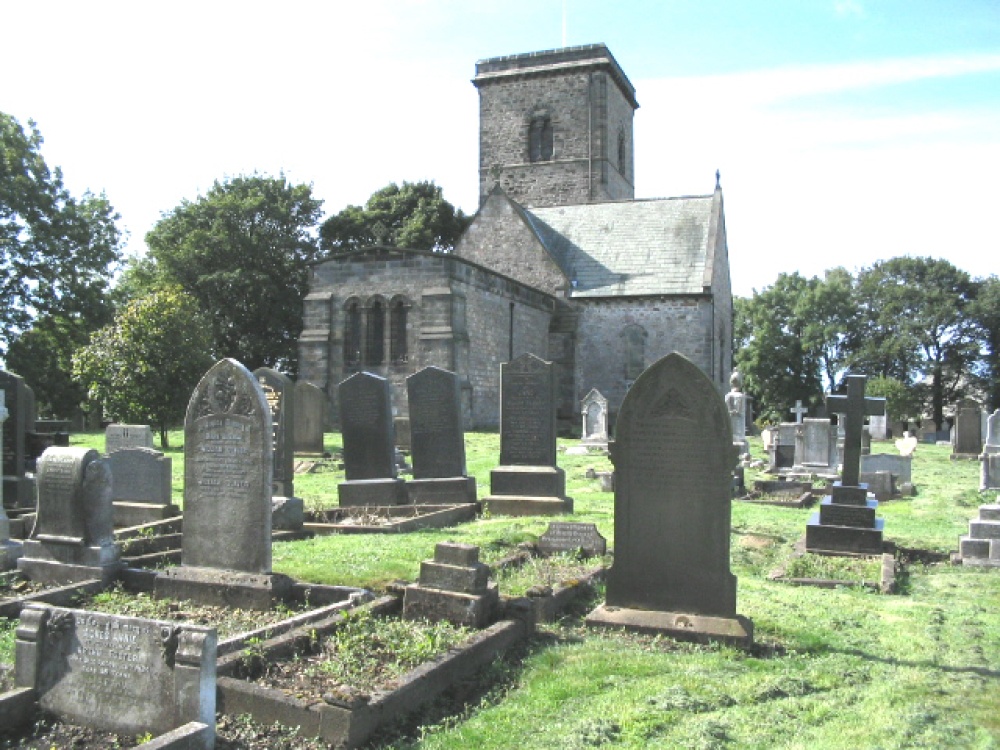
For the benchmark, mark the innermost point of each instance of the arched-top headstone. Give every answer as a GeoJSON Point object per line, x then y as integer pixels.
{"type": "Point", "coordinates": [674, 457]}
{"type": "Point", "coordinates": [227, 472]}
{"type": "Point", "coordinates": [594, 412]}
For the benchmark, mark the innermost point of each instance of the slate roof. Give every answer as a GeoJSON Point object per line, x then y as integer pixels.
{"type": "Point", "coordinates": [630, 248]}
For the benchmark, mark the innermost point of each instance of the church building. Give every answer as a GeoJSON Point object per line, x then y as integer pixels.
{"type": "Point", "coordinates": [560, 260]}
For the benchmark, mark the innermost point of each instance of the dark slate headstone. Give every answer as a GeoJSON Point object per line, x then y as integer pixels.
{"type": "Point", "coordinates": [118, 436]}
{"type": "Point", "coordinates": [119, 674]}
{"type": "Point", "coordinates": [968, 429]}
{"type": "Point", "coordinates": [673, 456]}
{"type": "Point", "coordinates": [227, 472]}
{"type": "Point", "coordinates": [310, 416]}
{"type": "Point", "coordinates": [73, 536]}
{"type": "Point", "coordinates": [18, 490]}
{"type": "Point", "coordinates": [528, 482]}
{"type": "Point", "coordinates": [437, 438]}
{"type": "Point", "coordinates": [369, 450]}
{"type": "Point", "coordinates": [563, 536]}
{"type": "Point", "coordinates": [527, 412]}
{"type": "Point", "coordinates": [278, 389]}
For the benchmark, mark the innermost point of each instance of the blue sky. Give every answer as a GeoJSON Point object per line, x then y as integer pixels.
{"type": "Point", "coordinates": [846, 131]}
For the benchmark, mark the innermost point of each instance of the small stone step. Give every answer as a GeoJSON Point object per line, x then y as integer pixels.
{"type": "Point", "coordinates": [989, 512]}
{"type": "Point", "coordinates": [984, 529]}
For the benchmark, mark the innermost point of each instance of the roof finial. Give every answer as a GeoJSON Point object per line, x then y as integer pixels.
{"type": "Point", "coordinates": [718, 176]}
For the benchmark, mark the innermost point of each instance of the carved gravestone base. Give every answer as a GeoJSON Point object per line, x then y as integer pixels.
{"type": "Point", "coordinates": [445, 491]}
{"type": "Point", "coordinates": [528, 491]}
{"type": "Point", "coordinates": [358, 492]}
{"type": "Point", "coordinates": [682, 626]}
{"type": "Point", "coordinates": [454, 586]}
{"type": "Point", "coordinates": [846, 523]}
{"type": "Point", "coordinates": [228, 588]}
{"type": "Point", "coordinates": [981, 546]}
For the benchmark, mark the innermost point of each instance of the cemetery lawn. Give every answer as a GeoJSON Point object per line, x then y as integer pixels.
{"type": "Point", "coordinates": [832, 668]}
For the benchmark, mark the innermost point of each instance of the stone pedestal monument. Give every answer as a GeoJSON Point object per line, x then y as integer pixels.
{"type": "Point", "coordinates": [736, 403]}
{"type": "Point", "coordinates": [846, 519]}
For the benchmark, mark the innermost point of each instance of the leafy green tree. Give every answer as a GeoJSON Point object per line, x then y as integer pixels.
{"type": "Point", "coordinates": [915, 324]}
{"type": "Point", "coordinates": [57, 252]}
{"type": "Point", "coordinates": [902, 401]}
{"type": "Point", "coordinates": [985, 314]}
{"type": "Point", "coordinates": [777, 362]}
{"type": "Point", "coordinates": [242, 251]}
{"type": "Point", "coordinates": [143, 367]}
{"type": "Point", "coordinates": [415, 216]}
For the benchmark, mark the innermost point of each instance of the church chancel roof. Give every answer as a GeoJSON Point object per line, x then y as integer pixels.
{"type": "Point", "coordinates": [631, 248]}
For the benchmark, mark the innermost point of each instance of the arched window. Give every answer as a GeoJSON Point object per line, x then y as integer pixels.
{"type": "Point", "coordinates": [540, 139]}
{"type": "Point", "coordinates": [352, 334]}
{"type": "Point", "coordinates": [375, 334]}
{"type": "Point", "coordinates": [397, 332]}
{"type": "Point", "coordinates": [634, 341]}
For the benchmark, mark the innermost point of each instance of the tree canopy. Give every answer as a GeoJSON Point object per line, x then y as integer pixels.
{"type": "Point", "coordinates": [242, 252]}
{"type": "Point", "coordinates": [414, 215]}
{"type": "Point", "coordinates": [923, 330]}
{"type": "Point", "coordinates": [57, 252]}
{"type": "Point", "coordinates": [143, 367]}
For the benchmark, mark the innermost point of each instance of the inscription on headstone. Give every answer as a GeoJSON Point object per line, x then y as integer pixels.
{"type": "Point", "coordinates": [564, 536]}
{"type": "Point", "coordinates": [366, 424]}
{"type": "Point", "coordinates": [437, 438]}
{"type": "Point", "coordinates": [115, 673]}
{"type": "Point", "coordinates": [527, 412]}
{"type": "Point", "coordinates": [118, 436]}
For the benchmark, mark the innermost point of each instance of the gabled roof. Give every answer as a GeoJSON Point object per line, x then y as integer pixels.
{"type": "Point", "coordinates": [632, 248]}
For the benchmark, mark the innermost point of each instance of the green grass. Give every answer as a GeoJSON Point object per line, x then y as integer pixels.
{"type": "Point", "coordinates": [837, 668]}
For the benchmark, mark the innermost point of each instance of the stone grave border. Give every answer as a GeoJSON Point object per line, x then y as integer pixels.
{"type": "Point", "coordinates": [411, 518]}
{"type": "Point", "coordinates": [351, 726]}
{"type": "Point", "coordinates": [891, 569]}
{"type": "Point", "coordinates": [763, 493]}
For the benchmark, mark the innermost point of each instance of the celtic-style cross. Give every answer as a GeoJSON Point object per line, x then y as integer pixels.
{"type": "Point", "coordinates": [855, 407]}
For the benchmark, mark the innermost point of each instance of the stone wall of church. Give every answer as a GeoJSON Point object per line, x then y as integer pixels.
{"type": "Point", "coordinates": [458, 318]}
{"type": "Point", "coordinates": [685, 325]}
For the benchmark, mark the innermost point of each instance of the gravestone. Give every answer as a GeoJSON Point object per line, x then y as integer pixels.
{"type": "Point", "coordinates": [846, 519]}
{"type": "Point", "coordinates": [781, 454]}
{"type": "Point", "coordinates": [369, 450]}
{"type": "Point", "coordinates": [981, 546]}
{"type": "Point", "coordinates": [141, 486]}
{"type": "Point", "coordinates": [673, 456]}
{"type": "Point", "coordinates": [968, 443]}
{"type": "Point", "coordinates": [120, 674]}
{"type": "Point", "coordinates": [928, 431]}
{"type": "Point", "coordinates": [990, 458]}
{"type": "Point", "coordinates": [310, 417]}
{"type": "Point", "coordinates": [9, 551]}
{"type": "Point", "coordinates": [73, 536]}
{"type": "Point", "coordinates": [287, 511]}
{"type": "Point", "coordinates": [563, 536]}
{"type": "Point", "coordinates": [878, 427]}
{"type": "Point", "coordinates": [437, 439]}
{"type": "Point", "coordinates": [226, 547]}
{"type": "Point", "coordinates": [527, 482]}
{"type": "Point", "coordinates": [118, 436]}
{"type": "Point", "coordinates": [816, 450]}
{"type": "Point", "coordinates": [594, 412]}
{"type": "Point", "coordinates": [901, 466]}
{"type": "Point", "coordinates": [18, 489]}
{"type": "Point", "coordinates": [454, 586]}
{"type": "Point", "coordinates": [736, 403]}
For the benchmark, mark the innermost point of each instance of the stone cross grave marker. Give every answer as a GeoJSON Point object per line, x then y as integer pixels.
{"type": "Point", "coordinates": [120, 674]}
{"type": "Point", "coordinates": [799, 411]}
{"type": "Point", "coordinates": [855, 406]}
{"type": "Point", "coordinates": [278, 392]}
{"type": "Point", "coordinates": [118, 436]}
{"type": "Point", "coordinates": [73, 536]}
{"type": "Point", "coordinates": [673, 456]}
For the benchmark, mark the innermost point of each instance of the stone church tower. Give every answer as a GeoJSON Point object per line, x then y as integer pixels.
{"type": "Point", "coordinates": [555, 127]}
